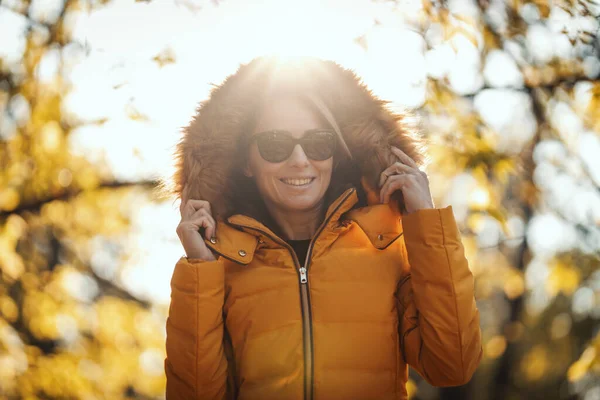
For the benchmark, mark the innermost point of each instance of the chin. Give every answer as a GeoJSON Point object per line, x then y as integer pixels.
{"type": "Point", "coordinates": [300, 204]}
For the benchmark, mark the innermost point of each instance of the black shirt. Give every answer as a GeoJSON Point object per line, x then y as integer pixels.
{"type": "Point", "coordinates": [300, 248]}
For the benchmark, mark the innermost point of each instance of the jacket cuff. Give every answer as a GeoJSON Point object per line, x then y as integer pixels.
{"type": "Point", "coordinates": [192, 260]}
{"type": "Point", "coordinates": [189, 277]}
{"type": "Point", "coordinates": [433, 226]}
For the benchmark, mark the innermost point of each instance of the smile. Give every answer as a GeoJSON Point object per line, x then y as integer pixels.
{"type": "Point", "coordinates": [297, 182]}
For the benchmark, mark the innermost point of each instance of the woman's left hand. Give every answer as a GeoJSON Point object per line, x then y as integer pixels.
{"type": "Point", "coordinates": [405, 175]}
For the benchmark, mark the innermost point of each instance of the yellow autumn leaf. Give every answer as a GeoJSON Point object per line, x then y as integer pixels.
{"type": "Point", "coordinates": [580, 367]}
{"type": "Point", "coordinates": [495, 347]}
{"type": "Point", "coordinates": [514, 285]}
{"type": "Point", "coordinates": [164, 58]}
{"type": "Point", "coordinates": [535, 363]}
{"type": "Point", "coordinates": [9, 199]}
{"type": "Point", "coordinates": [564, 278]}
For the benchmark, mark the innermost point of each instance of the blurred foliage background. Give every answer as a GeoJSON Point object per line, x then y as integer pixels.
{"type": "Point", "coordinates": [93, 94]}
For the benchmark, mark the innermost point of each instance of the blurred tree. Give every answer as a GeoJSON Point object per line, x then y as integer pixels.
{"type": "Point", "coordinates": [533, 65]}
{"type": "Point", "coordinates": [69, 329]}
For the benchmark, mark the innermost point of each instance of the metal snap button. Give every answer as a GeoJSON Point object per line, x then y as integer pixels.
{"type": "Point", "coordinates": [242, 253]}
{"type": "Point", "coordinates": [380, 236]}
{"type": "Point", "coordinates": [213, 240]}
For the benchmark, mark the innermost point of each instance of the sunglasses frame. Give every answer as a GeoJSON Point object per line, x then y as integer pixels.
{"type": "Point", "coordinates": [301, 141]}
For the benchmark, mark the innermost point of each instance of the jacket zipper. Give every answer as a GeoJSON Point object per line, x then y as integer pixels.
{"type": "Point", "coordinates": [307, 331]}
{"type": "Point", "coordinates": [307, 310]}
{"type": "Point", "coordinates": [305, 301]}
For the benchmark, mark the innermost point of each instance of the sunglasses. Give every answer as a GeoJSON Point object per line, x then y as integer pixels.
{"type": "Point", "coordinates": [277, 145]}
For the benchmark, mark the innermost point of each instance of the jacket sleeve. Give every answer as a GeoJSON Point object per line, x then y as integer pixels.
{"type": "Point", "coordinates": [196, 364]}
{"type": "Point", "coordinates": [439, 328]}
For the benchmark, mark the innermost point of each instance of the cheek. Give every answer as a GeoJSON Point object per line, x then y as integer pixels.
{"type": "Point", "coordinates": [325, 168]}
{"type": "Point", "coordinates": [259, 167]}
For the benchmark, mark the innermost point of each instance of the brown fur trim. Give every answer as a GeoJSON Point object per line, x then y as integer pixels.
{"type": "Point", "coordinates": [208, 155]}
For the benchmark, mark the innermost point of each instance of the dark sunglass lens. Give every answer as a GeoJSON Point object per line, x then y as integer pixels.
{"type": "Point", "coordinates": [319, 145]}
{"type": "Point", "coordinates": [274, 147]}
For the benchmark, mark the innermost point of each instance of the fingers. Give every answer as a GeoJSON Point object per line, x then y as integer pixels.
{"type": "Point", "coordinates": [404, 157]}
{"type": "Point", "coordinates": [196, 212]}
{"type": "Point", "coordinates": [211, 229]}
{"type": "Point", "coordinates": [185, 201]}
{"type": "Point", "coordinates": [393, 183]}
{"type": "Point", "coordinates": [395, 168]}
{"type": "Point", "coordinates": [201, 221]}
{"type": "Point", "coordinates": [192, 205]}
{"type": "Point", "coordinates": [205, 222]}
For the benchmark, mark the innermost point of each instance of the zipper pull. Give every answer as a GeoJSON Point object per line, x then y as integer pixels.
{"type": "Point", "coordinates": [303, 275]}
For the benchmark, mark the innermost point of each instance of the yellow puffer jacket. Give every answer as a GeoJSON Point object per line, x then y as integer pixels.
{"type": "Point", "coordinates": [377, 293]}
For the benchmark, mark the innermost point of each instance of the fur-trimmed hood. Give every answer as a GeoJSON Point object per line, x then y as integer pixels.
{"type": "Point", "coordinates": [206, 155]}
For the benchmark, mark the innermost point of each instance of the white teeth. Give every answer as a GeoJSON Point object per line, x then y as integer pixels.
{"type": "Point", "coordinates": [297, 182]}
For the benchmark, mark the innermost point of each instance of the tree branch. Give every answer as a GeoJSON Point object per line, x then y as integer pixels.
{"type": "Point", "coordinates": [35, 206]}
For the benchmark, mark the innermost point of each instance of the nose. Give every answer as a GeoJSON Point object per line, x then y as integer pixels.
{"type": "Point", "coordinates": [298, 157]}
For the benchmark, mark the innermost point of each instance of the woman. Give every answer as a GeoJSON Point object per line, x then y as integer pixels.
{"type": "Point", "coordinates": [316, 264]}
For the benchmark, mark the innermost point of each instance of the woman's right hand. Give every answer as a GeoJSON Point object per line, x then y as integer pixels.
{"type": "Point", "coordinates": [195, 214]}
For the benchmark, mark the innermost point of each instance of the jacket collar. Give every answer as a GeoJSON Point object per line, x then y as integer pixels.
{"type": "Point", "coordinates": [380, 222]}
{"type": "Point", "coordinates": [238, 238]}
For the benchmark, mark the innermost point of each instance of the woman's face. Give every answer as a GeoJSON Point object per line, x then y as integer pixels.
{"type": "Point", "coordinates": [294, 116]}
